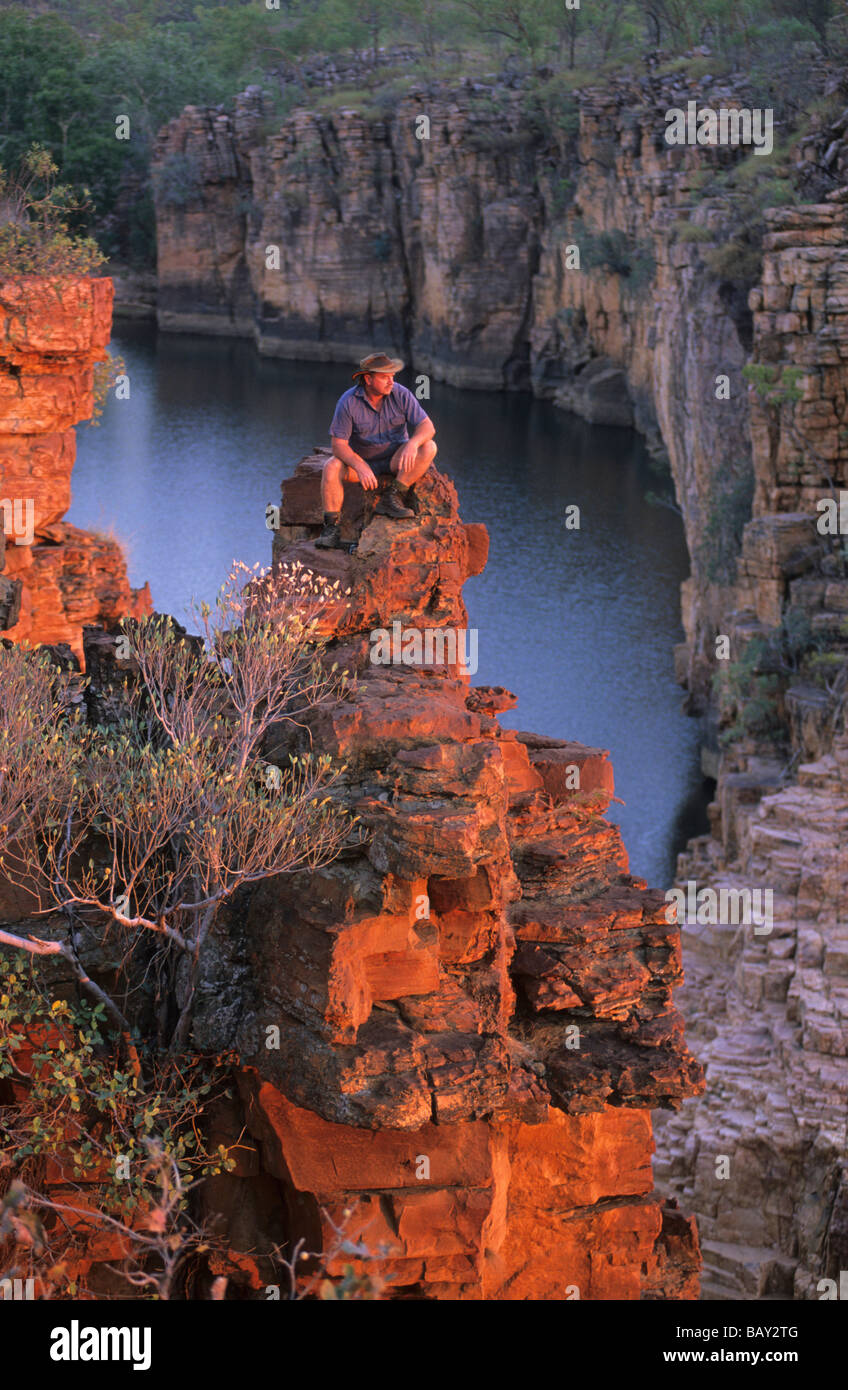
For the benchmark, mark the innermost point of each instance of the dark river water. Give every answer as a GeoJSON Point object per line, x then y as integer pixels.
{"type": "Point", "coordinates": [579, 624]}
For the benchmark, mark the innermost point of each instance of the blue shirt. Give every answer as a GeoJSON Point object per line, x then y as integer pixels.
{"type": "Point", "coordinates": [374, 434]}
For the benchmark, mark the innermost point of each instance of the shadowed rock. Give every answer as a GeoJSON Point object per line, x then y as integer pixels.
{"type": "Point", "coordinates": [477, 980]}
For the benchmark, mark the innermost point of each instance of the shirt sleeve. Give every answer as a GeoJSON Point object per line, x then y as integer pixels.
{"type": "Point", "coordinates": [341, 425]}
{"type": "Point", "coordinates": [412, 409]}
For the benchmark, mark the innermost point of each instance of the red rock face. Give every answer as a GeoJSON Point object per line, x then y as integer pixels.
{"type": "Point", "coordinates": [456, 1032]}
{"type": "Point", "coordinates": [56, 577]}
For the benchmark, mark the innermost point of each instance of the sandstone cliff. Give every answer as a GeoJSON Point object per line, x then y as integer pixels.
{"type": "Point", "coordinates": [769, 1011]}
{"type": "Point", "coordinates": [450, 1040]}
{"type": "Point", "coordinates": [408, 237]}
{"type": "Point", "coordinates": [57, 577]}
{"type": "Point", "coordinates": [474, 1001]}
{"type": "Point", "coordinates": [338, 232]}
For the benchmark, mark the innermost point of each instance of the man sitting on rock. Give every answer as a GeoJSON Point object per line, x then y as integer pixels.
{"type": "Point", "coordinates": [370, 436]}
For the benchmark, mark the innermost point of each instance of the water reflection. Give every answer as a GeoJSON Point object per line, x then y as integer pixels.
{"type": "Point", "coordinates": [579, 623]}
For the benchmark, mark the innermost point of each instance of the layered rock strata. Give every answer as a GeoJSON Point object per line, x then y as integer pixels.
{"type": "Point", "coordinates": [643, 332]}
{"type": "Point", "coordinates": [56, 577]}
{"type": "Point", "coordinates": [472, 1005]}
{"type": "Point", "coordinates": [769, 1009]}
{"type": "Point", "coordinates": [340, 231]}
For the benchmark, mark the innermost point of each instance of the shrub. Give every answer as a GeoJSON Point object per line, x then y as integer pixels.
{"type": "Point", "coordinates": [614, 250]}
{"type": "Point", "coordinates": [497, 139]}
{"type": "Point", "coordinates": [552, 110]}
{"type": "Point", "coordinates": [561, 195]}
{"type": "Point", "coordinates": [178, 181]}
{"type": "Point", "coordinates": [381, 246]}
{"type": "Point", "coordinates": [134, 833]}
{"type": "Point", "coordinates": [35, 213]}
{"type": "Point", "coordinates": [776, 384]}
{"type": "Point", "coordinates": [106, 373]}
{"type": "Point", "coordinates": [745, 190]}
{"type": "Point", "coordinates": [750, 691]}
{"type": "Point", "coordinates": [152, 822]}
{"type": "Point", "coordinates": [730, 510]}
{"type": "Point", "coordinates": [685, 230]}
{"type": "Point", "coordinates": [84, 1112]}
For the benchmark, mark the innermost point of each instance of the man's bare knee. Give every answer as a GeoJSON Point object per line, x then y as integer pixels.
{"type": "Point", "coordinates": [426, 453]}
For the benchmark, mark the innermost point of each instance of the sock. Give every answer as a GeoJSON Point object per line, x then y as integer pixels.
{"type": "Point", "coordinates": [331, 518]}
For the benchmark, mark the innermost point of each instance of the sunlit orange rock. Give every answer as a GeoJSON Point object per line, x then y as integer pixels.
{"type": "Point", "coordinates": [56, 577]}
{"type": "Point", "coordinates": [452, 1037]}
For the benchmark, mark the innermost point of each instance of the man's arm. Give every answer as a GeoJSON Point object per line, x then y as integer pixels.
{"type": "Point", "coordinates": [342, 450]}
{"type": "Point", "coordinates": [341, 427]}
{"type": "Point", "coordinates": [425, 429]}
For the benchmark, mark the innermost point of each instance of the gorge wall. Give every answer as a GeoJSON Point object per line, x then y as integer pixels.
{"type": "Point", "coordinates": [769, 1011]}
{"type": "Point", "coordinates": [470, 1009]}
{"type": "Point", "coordinates": [446, 1036]}
{"type": "Point", "coordinates": [458, 250]}
{"type": "Point", "coordinates": [474, 1001]}
{"type": "Point", "coordinates": [340, 231]}
{"type": "Point", "coordinates": [55, 578]}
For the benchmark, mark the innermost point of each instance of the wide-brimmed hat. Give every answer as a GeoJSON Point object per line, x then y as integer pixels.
{"type": "Point", "coordinates": [378, 362]}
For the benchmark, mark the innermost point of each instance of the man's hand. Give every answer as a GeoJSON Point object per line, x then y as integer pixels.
{"type": "Point", "coordinates": [406, 457]}
{"type": "Point", "coordinates": [365, 475]}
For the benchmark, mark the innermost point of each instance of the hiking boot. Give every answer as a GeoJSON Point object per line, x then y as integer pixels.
{"type": "Point", "coordinates": [410, 500]}
{"type": "Point", "coordinates": [392, 504]}
{"type": "Point", "coordinates": [331, 536]}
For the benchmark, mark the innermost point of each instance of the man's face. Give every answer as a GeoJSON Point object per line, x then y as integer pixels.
{"type": "Point", "coordinates": [379, 383]}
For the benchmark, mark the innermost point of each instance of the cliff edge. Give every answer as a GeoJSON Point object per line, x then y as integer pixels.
{"type": "Point", "coordinates": [54, 577]}
{"type": "Point", "coordinates": [470, 1010]}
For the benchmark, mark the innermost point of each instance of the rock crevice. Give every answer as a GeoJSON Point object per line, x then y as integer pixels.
{"type": "Point", "coordinates": [477, 989]}
{"type": "Point", "coordinates": [56, 578]}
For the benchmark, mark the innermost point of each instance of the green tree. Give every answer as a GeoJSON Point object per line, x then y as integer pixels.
{"type": "Point", "coordinates": [523, 23]}
{"type": "Point", "coordinates": [38, 90]}
{"type": "Point", "coordinates": [152, 822]}
{"type": "Point", "coordinates": [34, 212]}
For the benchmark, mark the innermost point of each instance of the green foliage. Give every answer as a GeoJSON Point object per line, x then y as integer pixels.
{"type": "Point", "coordinates": [758, 710]}
{"type": "Point", "coordinates": [750, 690]}
{"type": "Point", "coordinates": [524, 24]}
{"type": "Point", "coordinates": [106, 374]}
{"type": "Point", "coordinates": [35, 238]}
{"type": "Point", "coordinates": [178, 181]}
{"type": "Point", "coordinates": [614, 250]}
{"type": "Point", "coordinates": [775, 384]}
{"type": "Point", "coordinates": [64, 92]}
{"type": "Point", "coordinates": [382, 246]}
{"type": "Point", "coordinates": [498, 141]}
{"type": "Point", "coordinates": [82, 1109]}
{"type": "Point", "coordinates": [66, 75]}
{"type": "Point", "coordinates": [561, 195]}
{"type": "Point", "coordinates": [684, 230]}
{"type": "Point", "coordinates": [729, 511]}
{"type": "Point", "coordinates": [694, 68]}
{"type": "Point", "coordinates": [824, 668]}
{"type": "Point", "coordinates": [140, 828]}
{"type": "Point", "coordinates": [783, 41]}
{"type": "Point", "coordinates": [745, 190]}
{"type": "Point", "coordinates": [552, 109]}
